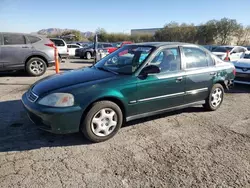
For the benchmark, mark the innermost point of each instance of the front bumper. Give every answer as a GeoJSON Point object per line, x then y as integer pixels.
{"type": "Point", "coordinates": [242, 77]}
{"type": "Point", "coordinates": [55, 120]}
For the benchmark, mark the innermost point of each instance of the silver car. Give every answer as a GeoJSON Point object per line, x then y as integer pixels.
{"type": "Point", "coordinates": [25, 51]}
{"type": "Point", "coordinates": [243, 69]}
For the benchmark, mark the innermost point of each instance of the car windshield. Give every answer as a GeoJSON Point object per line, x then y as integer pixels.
{"type": "Point", "coordinates": [247, 56]}
{"type": "Point", "coordinates": [125, 60]}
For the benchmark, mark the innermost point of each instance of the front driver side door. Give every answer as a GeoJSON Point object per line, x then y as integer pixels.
{"type": "Point", "coordinates": [163, 90]}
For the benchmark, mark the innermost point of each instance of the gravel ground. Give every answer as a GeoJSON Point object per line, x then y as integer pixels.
{"type": "Point", "coordinates": [187, 148]}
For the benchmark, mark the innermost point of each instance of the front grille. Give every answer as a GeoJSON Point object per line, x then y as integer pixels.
{"type": "Point", "coordinates": [32, 96]}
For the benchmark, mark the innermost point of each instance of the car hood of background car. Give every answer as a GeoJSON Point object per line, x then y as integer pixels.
{"type": "Point", "coordinates": [242, 63]}
{"type": "Point", "coordinates": [68, 79]}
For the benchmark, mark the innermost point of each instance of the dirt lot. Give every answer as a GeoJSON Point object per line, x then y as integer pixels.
{"type": "Point", "coordinates": [188, 148]}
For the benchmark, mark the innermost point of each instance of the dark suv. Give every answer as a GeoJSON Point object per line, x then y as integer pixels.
{"type": "Point", "coordinates": [24, 51]}
{"type": "Point", "coordinates": [88, 52]}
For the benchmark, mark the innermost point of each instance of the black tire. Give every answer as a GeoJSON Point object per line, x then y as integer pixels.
{"type": "Point", "coordinates": [38, 70]}
{"type": "Point", "coordinates": [87, 128]}
{"type": "Point", "coordinates": [210, 105]}
{"type": "Point", "coordinates": [88, 55]}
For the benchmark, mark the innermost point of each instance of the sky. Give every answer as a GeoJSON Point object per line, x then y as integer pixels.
{"type": "Point", "coordinates": [115, 15]}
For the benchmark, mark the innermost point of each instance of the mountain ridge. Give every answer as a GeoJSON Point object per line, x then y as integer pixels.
{"type": "Point", "coordinates": [51, 31]}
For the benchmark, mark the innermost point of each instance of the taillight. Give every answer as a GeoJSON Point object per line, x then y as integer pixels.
{"type": "Point", "coordinates": [50, 45]}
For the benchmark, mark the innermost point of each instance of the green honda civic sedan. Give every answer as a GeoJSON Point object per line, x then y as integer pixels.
{"type": "Point", "coordinates": [135, 81]}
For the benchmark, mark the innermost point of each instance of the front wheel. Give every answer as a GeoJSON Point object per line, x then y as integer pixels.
{"type": "Point", "coordinates": [36, 66]}
{"type": "Point", "coordinates": [215, 98]}
{"type": "Point", "coordinates": [88, 55]}
{"type": "Point", "coordinates": [102, 121]}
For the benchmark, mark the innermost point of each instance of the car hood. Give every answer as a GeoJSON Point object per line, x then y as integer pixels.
{"type": "Point", "coordinates": [242, 63]}
{"type": "Point", "coordinates": [68, 79]}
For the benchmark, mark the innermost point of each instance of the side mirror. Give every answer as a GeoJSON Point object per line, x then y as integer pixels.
{"type": "Point", "coordinates": [151, 69]}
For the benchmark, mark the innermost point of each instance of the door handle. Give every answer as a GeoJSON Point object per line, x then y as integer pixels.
{"type": "Point", "coordinates": [213, 73]}
{"type": "Point", "coordinates": [179, 79]}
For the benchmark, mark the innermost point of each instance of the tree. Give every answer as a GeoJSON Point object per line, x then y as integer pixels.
{"type": "Point", "coordinates": [174, 32]}
{"type": "Point", "coordinates": [76, 35]}
{"type": "Point", "coordinates": [207, 33]}
{"type": "Point", "coordinates": [226, 28]}
{"type": "Point", "coordinates": [243, 36]}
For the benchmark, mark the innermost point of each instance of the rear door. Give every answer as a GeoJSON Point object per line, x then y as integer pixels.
{"type": "Point", "coordinates": [15, 50]}
{"type": "Point", "coordinates": [200, 72]}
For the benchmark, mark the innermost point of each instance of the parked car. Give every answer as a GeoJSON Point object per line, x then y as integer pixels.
{"type": "Point", "coordinates": [120, 44]}
{"type": "Point", "coordinates": [88, 52]}
{"type": "Point", "coordinates": [235, 52]}
{"type": "Point", "coordinates": [62, 48]}
{"type": "Point", "coordinates": [210, 47]}
{"type": "Point", "coordinates": [243, 69]}
{"type": "Point", "coordinates": [248, 48]}
{"type": "Point", "coordinates": [72, 48]}
{"type": "Point", "coordinates": [97, 100]}
{"type": "Point", "coordinates": [31, 53]}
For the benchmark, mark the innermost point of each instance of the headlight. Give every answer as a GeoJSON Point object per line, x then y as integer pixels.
{"type": "Point", "coordinates": [57, 100]}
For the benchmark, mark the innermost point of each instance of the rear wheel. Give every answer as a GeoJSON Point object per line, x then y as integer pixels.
{"type": "Point", "coordinates": [102, 121]}
{"type": "Point", "coordinates": [215, 98]}
{"type": "Point", "coordinates": [36, 66]}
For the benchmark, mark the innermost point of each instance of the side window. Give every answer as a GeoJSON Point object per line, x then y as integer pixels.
{"type": "Point", "coordinates": [195, 58]}
{"type": "Point", "coordinates": [210, 60]}
{"type": "Point", "coordinates": [69, 46]}
{"type": "Point", "coordinates": [33, 39]}
{"type": "Point", "coordinates": [13, 39]}
{"type": "Point", "coordinates": [168, 60]}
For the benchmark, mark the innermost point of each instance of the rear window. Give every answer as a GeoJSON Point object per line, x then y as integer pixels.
{"type": "Point", "coordinates": [58, 42]}
{"type": "Point", "coordinates": [33, 39]}
{"type": "Point", "coordinates": [13, 39]}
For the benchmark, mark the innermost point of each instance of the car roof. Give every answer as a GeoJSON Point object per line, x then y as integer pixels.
{"type": "Point", "coordinates": [160, 44]}
{"type": "Point", "coordinates": [30, 34]}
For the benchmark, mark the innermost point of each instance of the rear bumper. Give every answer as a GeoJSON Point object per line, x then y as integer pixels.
{"type": "Point", "coordinates": [51, 63]}
{"type": "Point", "coordinates": [64, 56]}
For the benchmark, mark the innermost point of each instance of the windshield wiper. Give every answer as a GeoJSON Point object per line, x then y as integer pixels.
{"type": "Point", "coordinates": [107, 70]}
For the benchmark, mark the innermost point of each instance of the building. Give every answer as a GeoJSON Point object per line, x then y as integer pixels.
{"type": "Point", "coordinates": [149, 31]}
